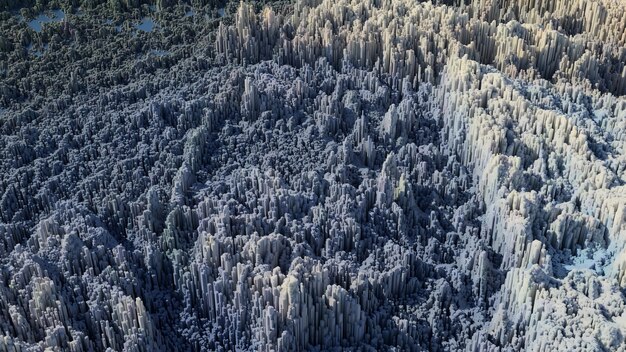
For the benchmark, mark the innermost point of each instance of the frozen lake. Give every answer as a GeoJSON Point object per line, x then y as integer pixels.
{"type": "Point", "coordinates": [147, 24]}
{"type": "Point", "coordinates": [160, 53]}
{"type": "Point", "coordinates": [43, 18]}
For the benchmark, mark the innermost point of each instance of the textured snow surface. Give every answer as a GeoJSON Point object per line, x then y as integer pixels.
{"type": "Point", "coordinates": [318, 175]}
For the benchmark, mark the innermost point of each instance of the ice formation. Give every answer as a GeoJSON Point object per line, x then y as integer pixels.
{"type": "Point", "coordinates": [361, 175]}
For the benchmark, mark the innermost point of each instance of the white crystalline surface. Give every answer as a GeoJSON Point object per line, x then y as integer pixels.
{"type": "Point", "coordinates": [324, 175]}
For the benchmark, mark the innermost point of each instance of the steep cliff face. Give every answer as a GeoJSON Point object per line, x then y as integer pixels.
{"type": "Point", "coordinates": [322, 175]}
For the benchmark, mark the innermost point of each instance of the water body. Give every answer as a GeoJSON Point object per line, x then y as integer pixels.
{"type": "Point", "coordinates": [38, 53]}
{"type": "Point", "coordinates": [147, 25]}
{"type": "Point", "coordinates": [159, 53]}
{"type": "Point", "coordinates": [43, 18]}
{"type": "Point", "coordinates": [221, 12]}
